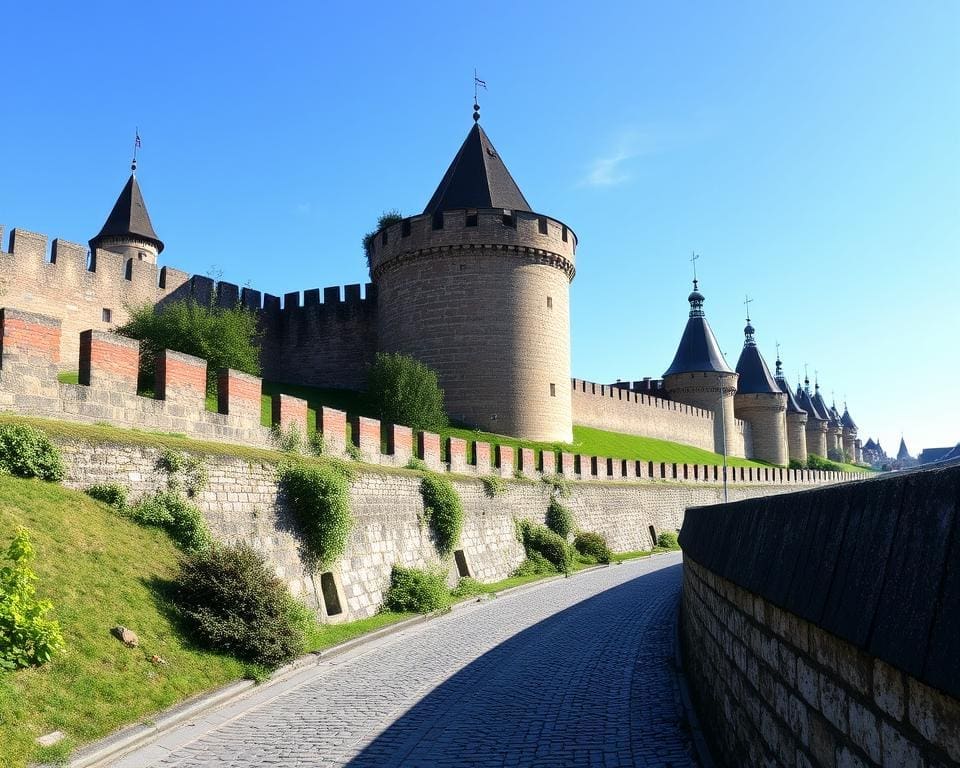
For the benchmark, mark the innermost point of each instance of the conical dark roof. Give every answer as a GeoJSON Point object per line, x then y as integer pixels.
{"type": "Point", "coordinates": [903, 453]}
{"type": "Point", "coordinates": [698, 350]}
{"type": "Point", "coordinates": [870, 445]}
{"type": "Point", "coordinates": [822, 411]}
{"type": "Point", "coordinates": [129, 218]}
{"type": "Point", "coordinates": [477, 178]}
{"type": "Point", "coordinates": [847, 419]}
{"type": "Point", "coordinates": [806, 403]}
{"type": "Point", "coordinates": [755, 376]}
{"type": "Point", "coordinates": [792, 405]}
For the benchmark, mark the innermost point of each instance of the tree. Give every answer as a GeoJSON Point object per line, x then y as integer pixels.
{"type": "Point", "coordinates": [405, 391]}
{"type": "Point", "coordinates": [387, 218]}
{"type": "Point", "coordinates": [226, 337]}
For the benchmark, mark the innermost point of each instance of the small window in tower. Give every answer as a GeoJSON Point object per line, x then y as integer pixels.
{"type": "Point", "coordinates": [141, 255]}
{"type": "Point", "coordinates": [542, 224]}
{"type": "Point", "coordinates": [564, 234]}
{"type": "Point", "coordinates": [549, 302]}
{"type": "Point", "coordinates": [553, 390]}
{"type": "Point", "coordinates": [438, 220]}
{"type": "Point", "coordinates": [509, 219]}
{"type": "Point", "coordinates": [106, 315]}
{"type": "Point", "coordinates": [405, 228]}
{"type": "Point", "coordinates": [472, 218]}
{"type": "Point", "coordinates": [128, 270]}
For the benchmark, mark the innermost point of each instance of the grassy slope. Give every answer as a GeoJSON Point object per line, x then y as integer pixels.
{"type": "Point", "coordinates": [98, 570]}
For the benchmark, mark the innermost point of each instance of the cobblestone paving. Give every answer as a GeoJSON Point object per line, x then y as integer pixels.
{"type": "Point", "coordinates": [574, 673]}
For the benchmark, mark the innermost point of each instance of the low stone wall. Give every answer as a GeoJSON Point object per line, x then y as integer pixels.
{"type": "Point", "coordinates": [823, 628]}
{"type": "Point", "coordinates": [242, 501]}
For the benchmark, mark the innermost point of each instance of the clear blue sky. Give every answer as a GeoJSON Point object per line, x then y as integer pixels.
{"type": "Point", "coordinates": [810, 152]}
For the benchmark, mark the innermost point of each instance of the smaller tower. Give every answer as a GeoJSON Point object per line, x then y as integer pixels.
{"type": "Point", "coordinates": [128, 230]}
{"type": "Point", "coordinates": [834, 428]}
{"type": "Point", "coordinates": [816, 423]}
{"type": "Point", "coordinates": [796, 419]}
{"type": "Point", "coordinates": [699, 376]}
{"type": "Point", "coordinates": [849, 435]}
{"type": "Point", "coordinates": [760, 402]}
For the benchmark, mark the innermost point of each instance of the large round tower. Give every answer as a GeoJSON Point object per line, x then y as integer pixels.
{"type": "Point", "coordinates": [760, 402]}
{"type": "Point", "coordinates": [477, 287]}
{"type": "Point", "coordinates": [849, 434]}
{"type": "Point", "coordinates": [699, 376]}
{"type": "Point", "coordinates": [796, 420]}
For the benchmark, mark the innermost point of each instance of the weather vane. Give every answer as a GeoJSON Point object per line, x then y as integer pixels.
{"type": "Point", "coordinates": [693, 260]}
{"type": "Point", "coordinates": [747, 301]}
{"type": "Point", "coordinates": [136, 146]}
{"type": "Point", "coordinates": [477, 85]}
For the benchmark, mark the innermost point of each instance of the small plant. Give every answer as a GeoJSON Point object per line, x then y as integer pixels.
{"type": "Point", "coordinates": [541, 540]}
{"type": "Point", "coordinates": [535, 564]}
{"type": "Point", "coordinates": [233, 603]}
{"type": "Point", "coordinates": [406, 391]}
{"type": "Point", "coordinates": [316, 443]}
{"type": "Point", "coordinates": [559, 485]}
{"type": "Point", "coordinates": [111, 494]}
{"type": "Point", "coordinates": [170, 511]}
{"type": "Point", "coordinates": [559, 519]}
{"type": "Point", "coordinates": [319, 497]}
{"type": "Point", "coordinates": [443, 511]}
{"type": "Point", "coordinates": [468, 587]}
{"type": "Point", "coordinates": [820, 463]}
{"type": "Point", "coordinates": [354, 452]}
{"type": "Point", "coordinates": [419, 464]}
{"type": "Point", "coordinates": [27, 637]}
{"type": "Point", "coordinates": [592, 545]}
{"type": "Point", "coordinates": [415, 590]}
{"type": "Point", "coordinates": [796, 464]}
{"type": "Point", "coordinates": [27, 452]}
{"type": "Point", "coordinates": [185, 468]}
{"type": "Point", "coordinates": [493, 485]}
{"type": "Point", "coordinates": [288, 440]}
{"type": "Point", "coordinates": [668, 540]}
{"type": "Point", "coordinates": [384, 220]}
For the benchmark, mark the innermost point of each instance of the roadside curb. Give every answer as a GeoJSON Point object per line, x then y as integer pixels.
{"type": "Point", "coordinates": [114, 746]}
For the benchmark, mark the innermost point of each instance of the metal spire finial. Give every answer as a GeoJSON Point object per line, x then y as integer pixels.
{"type": "Point", "coordinates": [693, 260]}
{"type": "Point", "coordinates": [136, 146]}
{"type": "Point", "coordinates": [477, 84]}
{"type": "Point", "coordinates": [747, 301]}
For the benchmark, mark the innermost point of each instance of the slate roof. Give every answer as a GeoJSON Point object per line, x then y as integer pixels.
{"type": "Point", "coordinates": [698, 351]}
{"type": "Point", "coordinates": [903, 453]}
{"type": "Point", "coordinates": [755, 376]}
{"type": "Point", "coordinates": [806, 403]}
{"type": "Point", "coordinates": [477, 178]}
{"type": "Point", "coordinates": [792, 405]}
{"type": "Point", "coordinates": [823, 412]}
{"type": "Point", "coordinates": [129, 217]}
{"type": "Point", "coordinates": [847, 419]}
{"type": "Point", "coordinates": [870, 445]}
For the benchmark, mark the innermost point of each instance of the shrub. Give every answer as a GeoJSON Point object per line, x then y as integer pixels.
{"type": "Point", "coordinates": [834, 454]}
{"type": "Point", "coordinates": [443, 510]}
{"type": "Point", "coordinates": [316, 444]}
{"type": "Point", "coordinates": [535, 564]}
{"type": "Point", "coordinates": [289, 441]}
{"type": "Point", "coordinates": [468, 587]}
{"type": "Point", "coordinates": [405, 391]}
{"type": "Point", "coordinates": [354, 452]}
{"type": "Point", "coordinates": [27, 638]}
{"type": "Point", "coordinates": [27, 452]}
{"type": "Point", "coordinates": [180, 519]}
{"type": "Point", "coordinates": [559, 519]}
{"type": "Point", "coordinates": [559, 485]}
{"type": "Point", "coordinates": [541, 540]}
{"type": "Point", "coordinates": [493, 485]}
{"type": "Point", "coordinates": [111, 494]}
{"type": "Point", "coordinates": [417, 591]}
{"type": "Point", "coordinates": [385, 220]}
{"type": "Point", "coordinates": [593, 545]}
{"type": "Point", "coordinates": [183, 468]}
{"type": "Point", "coordinates": [418, 464]}
{"type": "Point", "coordinates": [668, 540]}
{"type": "Point", "coordinates": [796, 464]}
{"type": "Point", "coordinates": [233, 603]}
{"type": "Point", "coordinates": [820, 463]}
{"type": "Point", "coordinates": [319, 497]}
{"type": "Point", "coordinates": [226, 337]}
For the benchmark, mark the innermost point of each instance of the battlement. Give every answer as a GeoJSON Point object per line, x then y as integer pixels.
{"type": "Point", "coordinates": [533, 235]}
{"type": "Point", "coordinates": [621, 393]}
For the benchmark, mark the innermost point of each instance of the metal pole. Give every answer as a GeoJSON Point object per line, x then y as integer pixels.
{"type": "Point", "coordinates": [723, 440]}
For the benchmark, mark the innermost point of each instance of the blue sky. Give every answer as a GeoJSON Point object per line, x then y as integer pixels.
{"type": "Point", "coordinates": [809, 152]}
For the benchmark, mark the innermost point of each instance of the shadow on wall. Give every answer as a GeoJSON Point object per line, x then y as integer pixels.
{"type": "Point", "coordinates": [591, 682]}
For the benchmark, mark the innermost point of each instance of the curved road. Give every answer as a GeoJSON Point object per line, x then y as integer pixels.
{"type": "Point", "coordinates": [576, 672]}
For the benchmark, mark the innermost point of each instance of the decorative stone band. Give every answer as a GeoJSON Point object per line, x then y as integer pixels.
{"type": "Point", "coordinates": [535, 255]}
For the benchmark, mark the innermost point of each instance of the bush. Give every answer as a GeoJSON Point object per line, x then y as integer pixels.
{"type": "Point", "coordinates": [593, 545]}
{"type": "Point", "coordinates": [468, 587]}
{"type": "Point", "coordinates": [289, 441]}
{"type": "Point", "coordinates": [534, 565]}
{"type": "Point", "coordinates": [559, 519]}
{"type": "Point", "coordinates": [417, 591]}
{"type": "Point", "coordinates": [111, 494]}
{"type": "Point", "coordinates": [183, 468]}
{"type": "Point", "coordinates": [541, 540]}
{"type": "Point", "coordinates": [226, 337]}
{"type": "Point", "coordinates": [668, 540]}
{"type": "Point", "coordinates": [418, 464]}
{"type": "Point", "coordinates": [559, 484]}
{"type": "Point", "coordinates": [405, 391]}
{"type": "Point", "coordinates": [385, 220]}
{"type": "Point", "coordinates": [493, 485]}
{"type": "Point", "coordinates": [233, 603]}
{"type": "Point", "coordinates": [796, 464]}
{"type": "Point", "coordinates": [170, 511]}
{"type": "Point", "coordinates": [319, 497]}
{"type": "Point", "coordinates": [820, 463]}
{"type": "Point", "coordinates": [443, 510]}
{"type": "Point", "coordinates": [27, 638]}
{"type": "Point", "coordinates": [27, 452]}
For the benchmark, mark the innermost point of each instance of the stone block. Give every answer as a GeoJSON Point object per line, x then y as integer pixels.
{"type": "Point", "coordinates": [548, 462]}
{"type": "Point", "coordinates": [399, 443]}
{"type": "Point", "coordinates": [936, 716]}
{"type": "Point", "coordinates": [505, 460]}
{"type": "Point", "coordinates": [428, 449]}
{"type": "Point", "coordinates": [457, 454]}
{"type": "Point", "coordinates": [834, 703]}
{"type": "Point", "coordinates": [865, 730]}
{"type": "Point", "coordinates": [365, 434]}
{"type": "Point", "coordinates": [181, 379]}
{"type": "Point", "coordinates": [897, 750]}
{"type": "Point", "coordinates": [27, 338]}
{"type": "Point", "coordinates": [567, 465]}
{"type": "Point", "coordinates": [333, 425]}
{"type": "Point", "coordinates": [525, 462]}
{"type": "Point", "coordinates": [288, 413]}
{"type": "Point", "coordinates": [238, 394]}
{"type": "Point", "coordinates": [481, 457]}
{"type": "Point", "coordinates": [109, 361]}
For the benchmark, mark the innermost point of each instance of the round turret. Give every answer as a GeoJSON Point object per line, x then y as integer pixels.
{"type": "Point", "coordinates": [760, 403]}
{"type": "Point", "coordinates": [796, 420]}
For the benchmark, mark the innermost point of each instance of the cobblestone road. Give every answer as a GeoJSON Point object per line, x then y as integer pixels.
{"type": "Point", "coordinates": [573, 673]}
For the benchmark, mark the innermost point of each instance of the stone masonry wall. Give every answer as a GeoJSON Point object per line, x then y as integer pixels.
{"type": "Point", "coordinates": [823, 628]}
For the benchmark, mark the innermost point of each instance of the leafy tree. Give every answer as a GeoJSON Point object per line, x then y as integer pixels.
{"type": "Point", "coordinates": [387, 218]}
{"type": "Point", "coordinates": [226, 337]}
{"type": "Point", "coordinates": [405, 391]}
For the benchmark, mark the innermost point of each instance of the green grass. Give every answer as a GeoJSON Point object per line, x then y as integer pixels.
{"type": "Point", "coordinates": [327, 635]}
{"type": "Point", "coordinates": [99, 570]}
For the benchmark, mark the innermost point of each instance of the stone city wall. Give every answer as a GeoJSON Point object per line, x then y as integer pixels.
{"type": "Point", "coordinates": [823, 628]}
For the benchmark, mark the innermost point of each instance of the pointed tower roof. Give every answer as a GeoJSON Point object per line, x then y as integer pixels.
{"type": "Point", "coordinates": [792, 405]}
{"type": "Point", "coordinates": [847, 419]}
{"type": "Point", "coordinates": [870, 445]}
{"type": "Point", "coordinates": [806, 402]}
{"type": "Point", "coordinates": [755, 376]}
{"type": "Point", "coordinates": [698, 350]}
{"type": "Point", "coordinates": [822, 411]}
{"type": "Point", "coordinates": [129, 218]}
{"type": "Point", "coordinates": [477, 178]}
{"type": "Point", "coordinates": [903, 453]}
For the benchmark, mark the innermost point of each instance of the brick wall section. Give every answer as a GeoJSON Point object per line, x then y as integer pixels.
{"type": "Point", "coordinates": [109, 360]}
{"type": "Point", "coordinates": [823, 628]}
{"type": "Point", "coordinates": [180, 378]}
{"type": "Point", "coordinates": [366, 436]}
{"type": "Point", "coordinates": [703, 390]}
{"type": "Point", "coordinates": [505, 463]}
{"type": "Point", "coordinates": [28, 337]}
{"type": "Point", "coordinates": [238, 394]}
{"type": "Point", "coordinates": [566, 466]}
{"type": "Point", "coordinates": [457, 454]}
{"type": "Point", "coordinates": [482, 457]}
{"type": "Point", "coordinates": [289, 412]}
{"type": "Point", "coordinates": [333, 424]}
{"type": "Point", "coordinates": [548, 462]}
{"type": "Point", "coordinates": [428, 449]}
{"type": "Point", "coordinates": [525, 462]}
{"type": "Point", "coordinates": [399, 443]}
